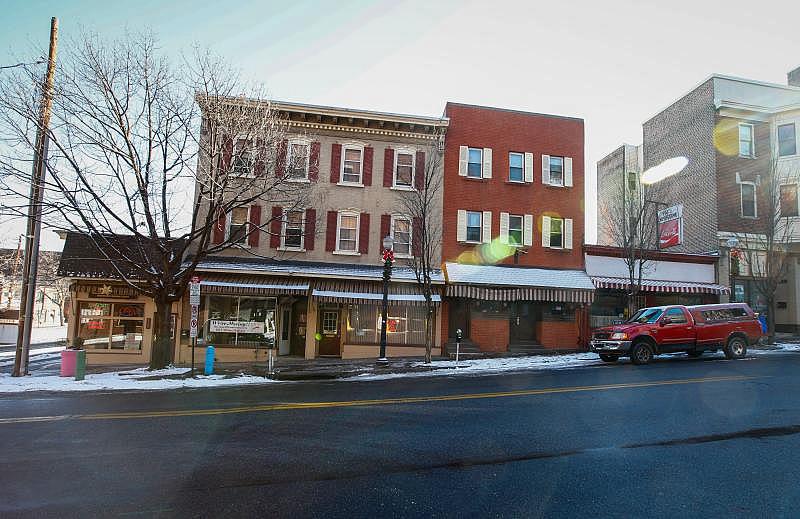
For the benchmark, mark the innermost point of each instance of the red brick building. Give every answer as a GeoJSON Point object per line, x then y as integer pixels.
{"type": "Point", "coordinates": [513, 227]}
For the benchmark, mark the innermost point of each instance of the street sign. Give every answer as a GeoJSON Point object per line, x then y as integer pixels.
{"type": "Point", "coordinates": [193, 322]}
{"type": "Point", "coordinates": [194, 291]}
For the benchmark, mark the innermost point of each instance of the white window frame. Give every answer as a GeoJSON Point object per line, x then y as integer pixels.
{"type": "Point", "coordinates": [480, 228]}
{"type": "Point", "coordinates": [521, 230]}
{"type": "Point", "coordinates": [563, 168]}
{"type": "Point", "coordinates": [752, 154]}
{"type": "Point", "coordinates": [250, 173]}
{"type": "Point", "coordinates": [741, 200]}
{"type": "Point", "coordinates": [778, 142]}
{"type": "Point", "coordinates": [229, 222]}
{"type": "Point", "coordinates": [469, 149]}
{"type": "Point", "coordinates": [285, 225]}
{"type": "Point", "coordinates": [360, 149]}
{"type": "Point", "coordinates": [396, 218]}
{"type": "Point", "coordinates": [522, 158]}
{"type": "Point", "coordinates": [301, 142]}
{"type": "Point", "coordinates": [554, 219]}
{"type": "Point", "coordinates": [339, 232]}
{"type": "Point", "coordinates": [397, 153]}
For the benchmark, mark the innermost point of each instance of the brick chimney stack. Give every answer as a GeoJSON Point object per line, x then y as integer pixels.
{"type": "Point", "coordinates": [793, 77]}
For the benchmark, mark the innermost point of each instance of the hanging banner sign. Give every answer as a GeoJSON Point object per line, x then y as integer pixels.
{"type": "Point", "coordinates": [216, 326]}
{"type": "Point", "coordinates": [670, 227]}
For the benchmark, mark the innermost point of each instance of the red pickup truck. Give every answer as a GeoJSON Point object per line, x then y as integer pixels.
{"type": "Point", "coordinates": [731, 327]}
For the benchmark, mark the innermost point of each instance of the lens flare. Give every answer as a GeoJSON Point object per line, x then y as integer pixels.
{"type": "Point", "coordinates": [726, 137]}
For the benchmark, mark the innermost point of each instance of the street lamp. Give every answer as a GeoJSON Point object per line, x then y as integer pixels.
{"type": "Point", "coordinates": [388, 259]}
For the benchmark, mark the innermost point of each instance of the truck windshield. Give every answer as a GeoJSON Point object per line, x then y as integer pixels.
{"type": "Point", "coordinates": [646, 315]}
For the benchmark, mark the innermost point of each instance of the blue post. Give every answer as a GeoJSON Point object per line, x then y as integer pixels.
{"type": "Point", "coordinates": [209, 360]}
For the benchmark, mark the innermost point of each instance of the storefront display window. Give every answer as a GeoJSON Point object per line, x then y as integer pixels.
{"type": "Point", "coordinates": [111, 326]}
{"type": "Point", "coordinates": [405, 325]}
{"type": "Point", "coordinates": [239, 321]}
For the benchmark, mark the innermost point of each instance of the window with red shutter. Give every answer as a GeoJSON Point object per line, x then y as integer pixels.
{"type": "Point", "coordinates": [336, 163]}
{"type": "Point", "coordinates": [311, 228]}
{"type": "Point", "coordinates": [275, 227]}
{"type": "Point", "coordinates": [330, 231]}
{"type": "Point", "coordinates": [219, 229]}
{"type": "Point", "coordinates": [419, 174]}
{"type": "Point", "coordinates": [367, 177]}
{"type": "Point", "coordinates": [388, 167]}
{"type": "Point", "coordinates": [363, 235]}
{"type": "Point", "coordinates": [313, 163]}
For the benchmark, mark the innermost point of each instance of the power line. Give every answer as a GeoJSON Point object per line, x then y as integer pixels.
{"type": "Point", "coordinates": [38, 62]}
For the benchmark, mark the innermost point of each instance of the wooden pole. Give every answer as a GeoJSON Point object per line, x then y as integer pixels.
{"type": "Point", "coordinates": [31, 265]}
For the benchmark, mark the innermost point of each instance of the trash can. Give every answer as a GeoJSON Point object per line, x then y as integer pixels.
{"type": "Point", "coordinates": [69, 359]}
{"type": "Point", "coordinates": [763, 320]}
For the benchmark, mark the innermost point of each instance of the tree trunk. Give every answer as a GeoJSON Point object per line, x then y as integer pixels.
{"type": "Point", "coordinates": [771, 322]}
{"type": "Point", "coordinates": [429, 331]}
{"type": "Point", "coordinates": [162, 352]}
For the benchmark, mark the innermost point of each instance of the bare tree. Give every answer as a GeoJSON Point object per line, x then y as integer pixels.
{"type": "Point", "coordinates": [629, 220]}
{"type": "Point", "coordinates": [132, 136]}
{"type": "Point", "coordinates": [765, 244]}
{"type": "Point", "coordinates": [423, 208]}
{"type": "Point", "coordinates": [54, 287]}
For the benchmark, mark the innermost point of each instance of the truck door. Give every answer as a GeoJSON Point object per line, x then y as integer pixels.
{"type": "Point", "coordinates": [677, 331]}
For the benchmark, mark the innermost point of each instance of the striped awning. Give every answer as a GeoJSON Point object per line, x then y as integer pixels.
{"type": "Point", "coordinates": [669, 287]}
{"type": "Point", "coordinates": [353, 291]}
{"type": "Point", "coordinates": [555, 295]}
{"type": "Point", "coordinates": [260, 285]}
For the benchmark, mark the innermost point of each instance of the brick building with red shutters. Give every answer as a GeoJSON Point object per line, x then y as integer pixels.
{"type": "Point", "coordinates": [513, 229]}
{"type": "Point", "coordinates": [307, 275]}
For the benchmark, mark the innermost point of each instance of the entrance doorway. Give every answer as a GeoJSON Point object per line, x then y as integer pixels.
{"type": "Point", "coordinates": [330, 343]}
{"type": "Point", "coordinates": [284, 339]}
{"type": "Point", "coordinates": [523, 316]}
{"type": "Point", "coordinates": [458, 317]}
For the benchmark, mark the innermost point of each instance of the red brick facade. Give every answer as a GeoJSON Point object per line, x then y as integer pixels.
{"type": "Point", "coordinates": [490, 334]}
{"type": "Point", "coordinates": [507, 131]}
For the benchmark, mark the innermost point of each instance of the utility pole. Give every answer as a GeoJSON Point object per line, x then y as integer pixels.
{"type": "Point", "coordinates": [31, 265]}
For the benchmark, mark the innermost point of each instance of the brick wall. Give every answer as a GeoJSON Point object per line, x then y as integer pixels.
{"type": "Point", "coordinates": [505, 131]}
{"type": "Point", "coordinates": [489, 334]}
{"type": "Point", "coordinates": [729, 163]}
{"type": "Point", "coordinates": [686, 128]}
{"type": "Point", "coordinates": [558, 334]}
{"type": "Point", "coordinates": [611, 186]}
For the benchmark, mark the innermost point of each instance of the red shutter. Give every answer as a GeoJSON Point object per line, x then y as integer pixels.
{"type": "Point", "coordinates": [313, 162]}
{"type": "Point", "coordinates": [330, 230]}
{"type": "Point", "coordinates": [386, 226]}
{"type": "Point", "coordinates": [219, 229]}
{"type": "Point", "coordinates": [255, 225]}
{"type": "Point", "coordinates": [311, 228]}
{"type": "Point", "coordinates": [336, 162]}
{"type": "Point", "coordinates": [275, 227]}
{"type": "Point", "coordinates": [388, 167]}
{"type": "Point", "coordinates": [280, 164]}
{"type": "Point", "coordinates": [419, 171]}
{"type": "Point", "coordinates": [227, 154]}
{"type": "Point", "coordinates": [416, 234]}
{"type": "Point", "coordinates": [259, 166]}
{"type": "Point", "coordinates": [368, 152]}
{"type": "Point", "coordinates": [363, 234]}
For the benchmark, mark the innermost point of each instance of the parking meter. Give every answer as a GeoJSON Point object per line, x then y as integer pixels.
{"type": "Point", "coordinates": [459, 335]}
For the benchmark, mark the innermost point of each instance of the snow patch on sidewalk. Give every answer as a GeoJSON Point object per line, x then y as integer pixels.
{"type": "Point", "coordinates": [493, 365]}
{"type": "Point", "coordinates": [124, 380]}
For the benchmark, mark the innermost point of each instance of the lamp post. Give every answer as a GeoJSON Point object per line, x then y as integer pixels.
{"type": "Point", "coordinates": [388, 259]}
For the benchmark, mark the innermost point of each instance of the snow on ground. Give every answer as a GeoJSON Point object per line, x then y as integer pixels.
{"type": "Point", "coordinates": [133, 379]}
{"type": "Point", "coordinates": [123, 380]}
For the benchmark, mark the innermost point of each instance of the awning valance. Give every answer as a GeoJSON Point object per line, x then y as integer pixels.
{"type": "Point", "coordinates": [235, 285]}
{"type": "Point", "coordinates": [334, 296]}
{"type": "Point", "coordinates": [513, 283]}
{"type": "Point", "coordinates": [556, 295]}
{"type": "Point", "coordinates": [655, 285]}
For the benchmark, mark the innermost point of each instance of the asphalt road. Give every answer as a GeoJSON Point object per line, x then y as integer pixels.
{"type": "Point", "coordinates": [679, 438]}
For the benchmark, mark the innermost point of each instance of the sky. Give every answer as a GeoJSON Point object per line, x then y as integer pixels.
{"type": "Point", "coordinates": [614, 63]}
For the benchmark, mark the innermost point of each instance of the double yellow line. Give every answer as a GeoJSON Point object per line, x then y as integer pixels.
{"type": "Point", "coordinates": [371, 402]}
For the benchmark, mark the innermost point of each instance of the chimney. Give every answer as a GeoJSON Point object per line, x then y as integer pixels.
{"type": "Point", "coordinates": [793, 77]}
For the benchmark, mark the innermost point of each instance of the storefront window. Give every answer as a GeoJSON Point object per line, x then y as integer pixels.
{"type": "Point", "coordinates": [405, 325]}
{"type": "Point", "coordinates": [239, 321]}
{"type": "Point", "coordinates": [111, 326]}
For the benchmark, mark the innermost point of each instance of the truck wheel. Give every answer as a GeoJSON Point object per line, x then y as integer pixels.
{"type": "Point", "coordinates": [609, 358]}
{"type": "Point", "coordinates": [736, 348]}
{"type": "Point", "coordinates": [695, 353]}
{"type": "Point", "coordinates": [641, 353]}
